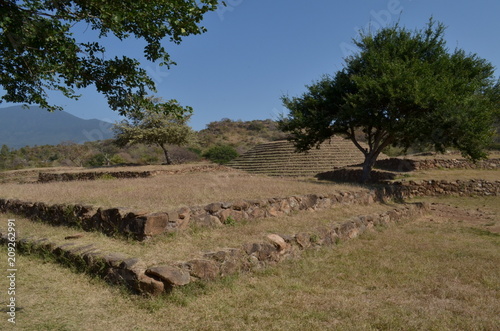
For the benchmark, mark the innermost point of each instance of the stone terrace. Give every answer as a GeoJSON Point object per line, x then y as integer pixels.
{"type": "Point", "coordinates": [279, 158]}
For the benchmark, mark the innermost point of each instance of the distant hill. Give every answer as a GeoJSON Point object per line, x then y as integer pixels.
{"type": "Point", "coordinates": [242, 135]}
{"type": "Point", "coordinates": [21, 127]}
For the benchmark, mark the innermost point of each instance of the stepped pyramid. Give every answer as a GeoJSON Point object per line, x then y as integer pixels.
{"type": "Point", "coordinates": [278, 158]}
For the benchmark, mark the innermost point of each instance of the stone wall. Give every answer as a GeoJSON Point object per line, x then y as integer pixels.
{"type": "Point", "coordinates": [353, 175]}
{"type": "Point", "coordinates": [410, 189]}
{"type": "Point", "coordinates": [112, 221]}
{"type": "Point", "coordinates": [404, 165]}
{"type": "Point", "coordinates": [46, 177]}
{"type": "Point", "coordinates": [116, 221]}
{"type": "Point", "coordinates": [155, 280]}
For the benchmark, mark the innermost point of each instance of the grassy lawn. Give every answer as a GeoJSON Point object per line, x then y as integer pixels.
{"type": "Point", "coordinates": [436, 273]}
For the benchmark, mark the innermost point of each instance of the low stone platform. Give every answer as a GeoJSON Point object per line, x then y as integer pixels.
{"type": "Point", "coordinates": [134, 273]}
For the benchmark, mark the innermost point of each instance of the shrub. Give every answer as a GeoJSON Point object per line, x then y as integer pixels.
{"type": "Point", "coordinates": [181, 155]}
{"type": "Point", "coordinates": [221, 154]}
{"type": "Point", "coordinates": [97, 160]}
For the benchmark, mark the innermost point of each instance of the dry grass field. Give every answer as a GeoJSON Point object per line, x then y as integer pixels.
{"type": "Point", "coordinates": [439, 272]}
{"type": "Point", "coordinates": [165, 191]}
{"type": "Point", "coordinates": [436, 273]}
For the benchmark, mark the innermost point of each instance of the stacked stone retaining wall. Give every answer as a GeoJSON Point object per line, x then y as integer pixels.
{"type": "Point", "coordinates": [46, 177]}
{"type": "Point", "coordinates": [404, 165]}
{"type": "Point", "coordinates": [353, 175]}
{"type": "Point", "coordinates": [473, 187]}
{"type": "Point", "coordinates": [155, 280]}
{"type": "Point", "coordinates": [111, 221]}
{"type": "Point", "coordinates": [141, 226]}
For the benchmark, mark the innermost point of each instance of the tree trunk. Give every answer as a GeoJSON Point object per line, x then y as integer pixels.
{"type": "Point", "coordinates": [167, 155]}
{"type": "Point", "coordinates": [367, 167]}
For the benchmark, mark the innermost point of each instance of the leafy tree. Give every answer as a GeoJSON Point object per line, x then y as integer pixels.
{"type": "Point", "coordinates": [4, 151]}
{"type": "Point", "coordinates": [74, 152]}
{"type": "Point", "coordinates": [402, 87]}
{"type": "Point", "coordinates": [221, 154]}
{"type": "Point", "coordinates": [38, 51]}
{"type": "Point", "coordinates": [153, 128]}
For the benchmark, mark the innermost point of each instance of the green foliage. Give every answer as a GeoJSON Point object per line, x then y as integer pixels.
{"type": "Point", "coordinates": [117, 159]}
{"type": "Point", "coordinates": [230, 221]}
{"type": "Point", "coordinates": [243, 135]}
{"type": "Point", "coordinates": [403, 87]}
{"type": "Point", "coordinates": [221, 154]}
{"type": "Point", "coordinates": [98, 160]}
{"type": "Point", "coordinates": [38, 51]}
{"type": "Point", "coordinates": [153, 128]}
{"type": "Point", "coordinates": [107, 177]}
{"type": "Point", "coordinates": [195, 150]}
{"type": "Point", "coordinates": [90, 154]}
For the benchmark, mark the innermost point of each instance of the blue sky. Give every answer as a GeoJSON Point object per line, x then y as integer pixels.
{"type": "Point", "coordinates": [257, 50]}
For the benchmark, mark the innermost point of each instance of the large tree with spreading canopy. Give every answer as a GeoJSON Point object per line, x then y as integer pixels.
{"type": "Point", "coordinates": [39, 51]}
{"type": "Point", "coordinates": [402, 87]}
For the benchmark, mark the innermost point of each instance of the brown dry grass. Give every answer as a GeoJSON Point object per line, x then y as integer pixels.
{"type": "Point", "coordinates": [165, 192]}
{"type": "Point", "coordinates": [450, 174]}
{"type": "Point", "coordinates": [422, 275]}
{"type": "Point", "coordinates": [193, 242]}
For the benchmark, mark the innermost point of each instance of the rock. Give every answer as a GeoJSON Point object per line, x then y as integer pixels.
{"type": "Point", "coordinates": [133, 264]}
{"type": "Point", "coordinates": [267, 253]}
{"type": "Point", "coordinates": [310, 201]}
{"type": "Point", "coordinates": [184, 213]}
{"type": "Point", "coordinates": [240, 205]}
{"type": "Point", "coordinates": [293, 203]}
{"type": "Point", "coordinates": [208, 221]}
{"type": "Point", "coordinates": [170, 275]}
{"type": "Point", "coordinates": [278, 242]}
{"type": "Point", "coordinates": [349, 230]}
{"type": "Point", "coordinates": [257, 213]}
{"type": "Point", "coordinates": [213, 207]}
{"type": "Point", "coordinates": [229, 260]}
{"type": "Point", "coordinates": [274, 212]}
{"type": "Point", "coordinates": [324, 203]}
{"type": "Point", "coordinates": [115, 259]}
{"type": "Point", "coordinates": [74, 236]}
{"type": "Point", "coordinates": [303, 239]}
{"type": "Point", "coordinates": [202, 269]}
{"type": "Point", "coordinates": [284, 207]}
{"type": "Point", "coordinates": [234, 214]}
{"type": "Point", "coordinates": [123, 276]}
{"type": "Point", "coordinates": [155, 224]}
{"type": "Point", "coordinates": [108, 221]}
{"type": "Point", "coordinates": [150, 285]}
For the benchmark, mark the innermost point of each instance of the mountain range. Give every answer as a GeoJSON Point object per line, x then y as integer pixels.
{"type": "Point", "coordinates": [21, 127]}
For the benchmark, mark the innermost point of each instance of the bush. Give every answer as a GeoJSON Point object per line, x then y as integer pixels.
{"type": "Point", "coordinates": [221, 154]}
{"type": "Point", "coordinates": [97, 160]}
{"type": "Point", "coordinates": [181, 155]}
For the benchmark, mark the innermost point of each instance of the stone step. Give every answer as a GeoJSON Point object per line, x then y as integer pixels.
{"type": "Point", "coordinates": [280, 158]}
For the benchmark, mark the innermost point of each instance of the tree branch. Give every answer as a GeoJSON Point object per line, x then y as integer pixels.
{"type": "Point", "coordinates": [352, 136]}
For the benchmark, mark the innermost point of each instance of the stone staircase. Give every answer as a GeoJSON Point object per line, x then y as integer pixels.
{"type": "Point", "coordinates": [278, 158]}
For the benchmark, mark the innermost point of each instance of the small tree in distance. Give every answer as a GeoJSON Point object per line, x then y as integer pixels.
{"type": "Point", "coordinates": [156, 128]}
{"type": "Point", "coordinates": [401, 88]}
